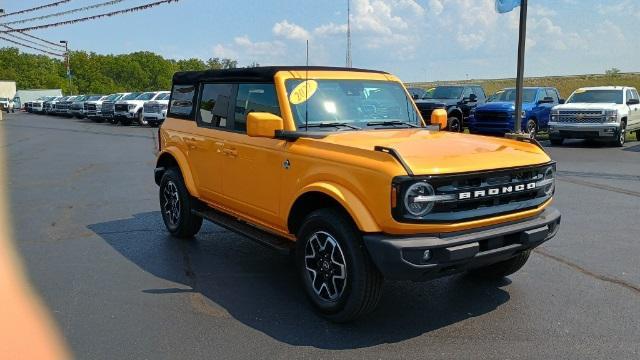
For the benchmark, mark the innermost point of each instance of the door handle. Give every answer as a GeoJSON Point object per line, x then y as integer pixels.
{"type": "Point", "coordinates": [230, 152]}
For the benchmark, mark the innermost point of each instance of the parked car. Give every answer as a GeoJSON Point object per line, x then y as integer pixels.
{"type": "Point", "coordinates": [63, 107]}
{"type": "Point", "coordinates": [605, 113]}
{"type": "Point", "coordinates": [4, 104]}
{"type": "Point", "coordinates": [49, 105]}
{"type": "Point", "coordinates": [37, 106]}
{"type": "Point", "coordinates": [127, 111]}
{"type": "Point", "coordinates": [78, 106]}
{"type": "Point", "coordinates": [420, 93]}
{"type": "Point", "coordinates": [459, 100]}
{"type": "Point", "coordinates": [155, 111]}
{"type": "Point", "coordinates": [497, 116]}
{"type": "Point", "coordinates": [341, 168]}
{"type": "Point", "coordinates": [108, 105]}
{"type": "Point", "coordinates": [93, 107]}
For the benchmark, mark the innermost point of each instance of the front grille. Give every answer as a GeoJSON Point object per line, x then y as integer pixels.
{"type": "Point", "coordinates": [581, 117]}
{"type": "Point", "coordinates": [121, 107]}
{"type": "Point", "coordinates": [492, 116]}
{"type": "Point", "coordinates": [512, 194]}
{"type": "Point", "coordinates": [152, 108]}
{"type": "Point", "coordinates": [90, 107]}
{"type": "Point", "coordinates": [76, 106]}
{"type": "Point", "coordinates": [426, 109]}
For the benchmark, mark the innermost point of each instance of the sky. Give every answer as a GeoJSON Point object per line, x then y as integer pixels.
{"type": "Point", "coordinates": [417, 40]}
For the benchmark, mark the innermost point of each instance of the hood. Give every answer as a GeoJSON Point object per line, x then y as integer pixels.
{"type": "Point", "coordinates": [587, 106]}
{"type": "Point", "coordinates": [428, 152]}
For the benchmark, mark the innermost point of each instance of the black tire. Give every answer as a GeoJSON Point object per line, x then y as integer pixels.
{"type": "Point", "coordinates": [125, 121]}
{"type": "Point", "coordinates": [140, 118]}
{"type": "Point", "coordinates": [502, 269]}
{"type": "Point", "coordinates": [532, 128]}
{"type": "Point", "coordinates": [113, 121]}
{"type": "Point", "coordinates": [358, 286]}
{"type": "Point", "coordinates": [98, 120]}
{"type": "Point", "coordinates": [154, 123]}
{"type": "Point", "coordinates": [556, 141]}
{"type": "Point", "coordinates": [621, 135]}
{"type": "Point", "coordinates": [454, 124]}
{"type": "Point", "coordinates": [638, 135]}
{"type": "Point", "coordinates": [176, 204]}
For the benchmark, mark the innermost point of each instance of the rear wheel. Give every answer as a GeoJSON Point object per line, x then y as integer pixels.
{"type": "Point", "coordinates": [176, 205]}
{"type": "Point", "coordinates": [338, 276]}
{"type": "Point", "coordinates": [502, 269]}
{"type": "Point", "coordinates": [454, 124]}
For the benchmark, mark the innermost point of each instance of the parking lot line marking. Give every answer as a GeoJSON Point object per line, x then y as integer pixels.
{"type": "Point", "coordinates": [611, 280]}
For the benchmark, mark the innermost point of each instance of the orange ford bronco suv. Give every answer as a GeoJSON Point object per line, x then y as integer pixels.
{"type": "Point", "coordinates": [338, 165]}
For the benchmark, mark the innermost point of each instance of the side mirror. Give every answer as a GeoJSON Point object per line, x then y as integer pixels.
{"type": "Point", "coordinates": [262, 124]}
{"type": "Point", "coordinates": [473, 98]}
{"type": "Point", "coordinates": [546, 100]}
{"type": "Point", "coordinates": [633, 101]}
{"type": "Point", "coordinates": [415, 96]}
{"type": "Point", "coordinates": [439, 117]}
{"type": "Point", "coordinates": [562, 101]}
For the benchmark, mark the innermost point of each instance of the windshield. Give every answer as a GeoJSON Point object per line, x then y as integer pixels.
{"type": "Point", "coordinates": [509, 95]}
{"type": "Point", "coordinates": [112, 97]}
{"type": "Point", "coordinates": [4, 99]}
{"type": "Point", "coordinates": [596, 96]}
{"type": "Point", "coordinates": [447, 92]}
{"type": "Point", "coordinates": [146, 96]}
{"type": "Point", "coordinates": [354, 102]}
{"type": "Point", "coordinates": [94, 97]}
{"type": "Point", "coordinates": [131, 96]}
{"type": "Point", "coordinates": [163, 97]}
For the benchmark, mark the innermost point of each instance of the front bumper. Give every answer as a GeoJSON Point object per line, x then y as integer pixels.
{"type": "Point", "coordinates": [153, 116]}
{"type": "Point", "coordinates": [402, 257]}
{"type": "Point", "coordinates": [123, 114]}
{"type": "Point", "coordinates": [583, 131]}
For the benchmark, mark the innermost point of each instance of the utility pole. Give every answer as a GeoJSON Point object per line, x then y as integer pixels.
{"type": "Point", "coordinates": [520, 75]}
{"type": "Point", "coordinates": [348, 62]}
{"type": "Point", "coordinates": [66, 56]}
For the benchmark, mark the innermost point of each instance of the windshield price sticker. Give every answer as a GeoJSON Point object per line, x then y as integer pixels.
{"type": "Point", "coordinates": [303, 92]}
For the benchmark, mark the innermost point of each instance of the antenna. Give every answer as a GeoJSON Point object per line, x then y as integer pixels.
{"type": "Point", "coordinates": [306, 91]}
{"type": "Point", "coordinates": [348, 62]}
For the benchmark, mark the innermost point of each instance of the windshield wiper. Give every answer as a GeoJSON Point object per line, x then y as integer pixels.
{"type": "Point", "coordinates": [391, 123]}
{"type": "Point", "coordinates": [330, 124]}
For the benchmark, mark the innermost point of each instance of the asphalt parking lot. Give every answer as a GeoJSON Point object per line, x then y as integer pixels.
{"type": "Point", "coordinates": [87, 225]}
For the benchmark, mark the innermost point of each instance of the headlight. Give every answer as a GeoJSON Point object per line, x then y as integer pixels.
{"type": "Point", "coordinates": [418, 199]}
{"type": "Point", "coordinates": [548, 182]}
{"type": "Point", "coordinates": [132, 106]}
{"type": "Point", "coordinates": [612, 115]}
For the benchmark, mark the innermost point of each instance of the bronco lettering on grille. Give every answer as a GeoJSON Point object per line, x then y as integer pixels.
{"type": "Point", "coordinates": [496, 191]}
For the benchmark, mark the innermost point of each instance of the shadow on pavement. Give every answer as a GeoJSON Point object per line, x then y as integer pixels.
{"type": "Point", "coordinates": [258, 287]}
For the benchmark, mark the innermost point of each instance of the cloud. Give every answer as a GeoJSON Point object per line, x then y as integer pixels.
{"type": "Point", "coordinates": [246, 50]}
{"type": "Point", "coordinates": [330, 29]}
{"type": "Point", "coordinates": [290, 31]}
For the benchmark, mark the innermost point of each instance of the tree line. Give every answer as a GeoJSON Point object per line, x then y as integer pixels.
{"type": "Point", "coordinates": [93, 73]}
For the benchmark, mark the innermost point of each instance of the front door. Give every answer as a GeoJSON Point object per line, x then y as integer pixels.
{"type": "Point", "coordinates": [634, 111]}
{"type": "Point", "coordinates": [254, 166]}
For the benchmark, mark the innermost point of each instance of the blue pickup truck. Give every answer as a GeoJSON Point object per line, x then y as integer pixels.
{"type": "Point", "coordinates": [497, 116]}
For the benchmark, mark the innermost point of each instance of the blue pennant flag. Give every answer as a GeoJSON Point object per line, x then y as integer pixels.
{"type": "Point", "coordinates": [504, 6]}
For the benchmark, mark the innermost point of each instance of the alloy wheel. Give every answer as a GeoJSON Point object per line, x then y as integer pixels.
{"type": "Point", "coordinates": [171, 203]}
{"type": "Point", "coordinates": [325, 266]}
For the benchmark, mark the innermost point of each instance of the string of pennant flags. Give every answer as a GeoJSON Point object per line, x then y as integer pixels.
{"type": "Point", "coordinates": [67, 12]}
{"type": "Point", "coordinates": [93, 17]}
{"type": "Point", "coordinates": [31, 47]}
{"type": "Point", "coordinates": [35, 8]}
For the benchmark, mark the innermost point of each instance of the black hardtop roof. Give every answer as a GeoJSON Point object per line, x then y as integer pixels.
{"type": "Point", "coordinates": [257, 74]}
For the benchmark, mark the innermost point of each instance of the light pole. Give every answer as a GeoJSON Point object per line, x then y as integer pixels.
{"type": "Point", "coordinates": [66, 56]}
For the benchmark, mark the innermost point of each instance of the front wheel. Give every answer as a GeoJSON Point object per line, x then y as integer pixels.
{"type": "Point", "coordinates": [503, 268]}
{"type": "Point", "coordinates": [176, 205]}
{"type": "Point", "coordinates": [340, 279]}
{"type": "Point", "coordinates": [620, 139]}
{"type": "Point", "coordinates": [454, 124]}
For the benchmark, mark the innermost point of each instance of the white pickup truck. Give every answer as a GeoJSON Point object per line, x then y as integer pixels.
{"type": "Point", "coordinates": [126, 111]}
{"type": "Point", "coordinates": [605, 112]}
{"type": "Point", "coordinates": [154, 112]}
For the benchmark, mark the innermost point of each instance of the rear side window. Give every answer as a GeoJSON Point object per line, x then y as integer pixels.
{"type": "Point", "coordinates": [213, 108]}
{"type": "Point", "coordinates": [629, 95]}
{"type": "Point", "coordinates": [181, 104]}
{"type": "Point", "coordinates": [254, 98]}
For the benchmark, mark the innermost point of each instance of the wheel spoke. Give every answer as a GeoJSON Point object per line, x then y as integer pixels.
{"type": "Point", "coordinates": [325, 265]}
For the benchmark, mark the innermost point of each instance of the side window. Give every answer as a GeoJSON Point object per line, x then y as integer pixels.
{"type": "Point", "coordinates": [467, 92]}
{"type": "Point", "coordinates": [181, 104]}
{"type": "Point", "coordinates": [553, 94]}
{"type": "Point", "coordinates": [479, 93]}
{"type": "Point", "coordinates": [630, 95]}
{"type": "Point", "coordinates": [254, 98]}
{"type": "Point", "coordinates": [635, 94]}
{"type": "Point", "coordinates": [213, 109]}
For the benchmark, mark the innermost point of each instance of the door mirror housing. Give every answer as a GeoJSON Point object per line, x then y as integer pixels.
{"type": "Point", "coordinates": [633, 101]}
{"type": "Point", "coordinates": [473, 98]}
{"type": "Point", "coordinates": [439, 118]}
{"type": "Point", "coordinates": [262, 124]}
{"type": "Point", "coordinates": [562, 101]}
{"type": "Point", "coordinates": [546, 100]}
{"type": "Point", "coordinates": [415, 96]}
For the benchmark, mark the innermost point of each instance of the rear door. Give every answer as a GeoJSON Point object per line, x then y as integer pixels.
{"type": "Point", "coordinates": [633, 120]}
{"type": "Point", "coordinates": [253, 166]}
